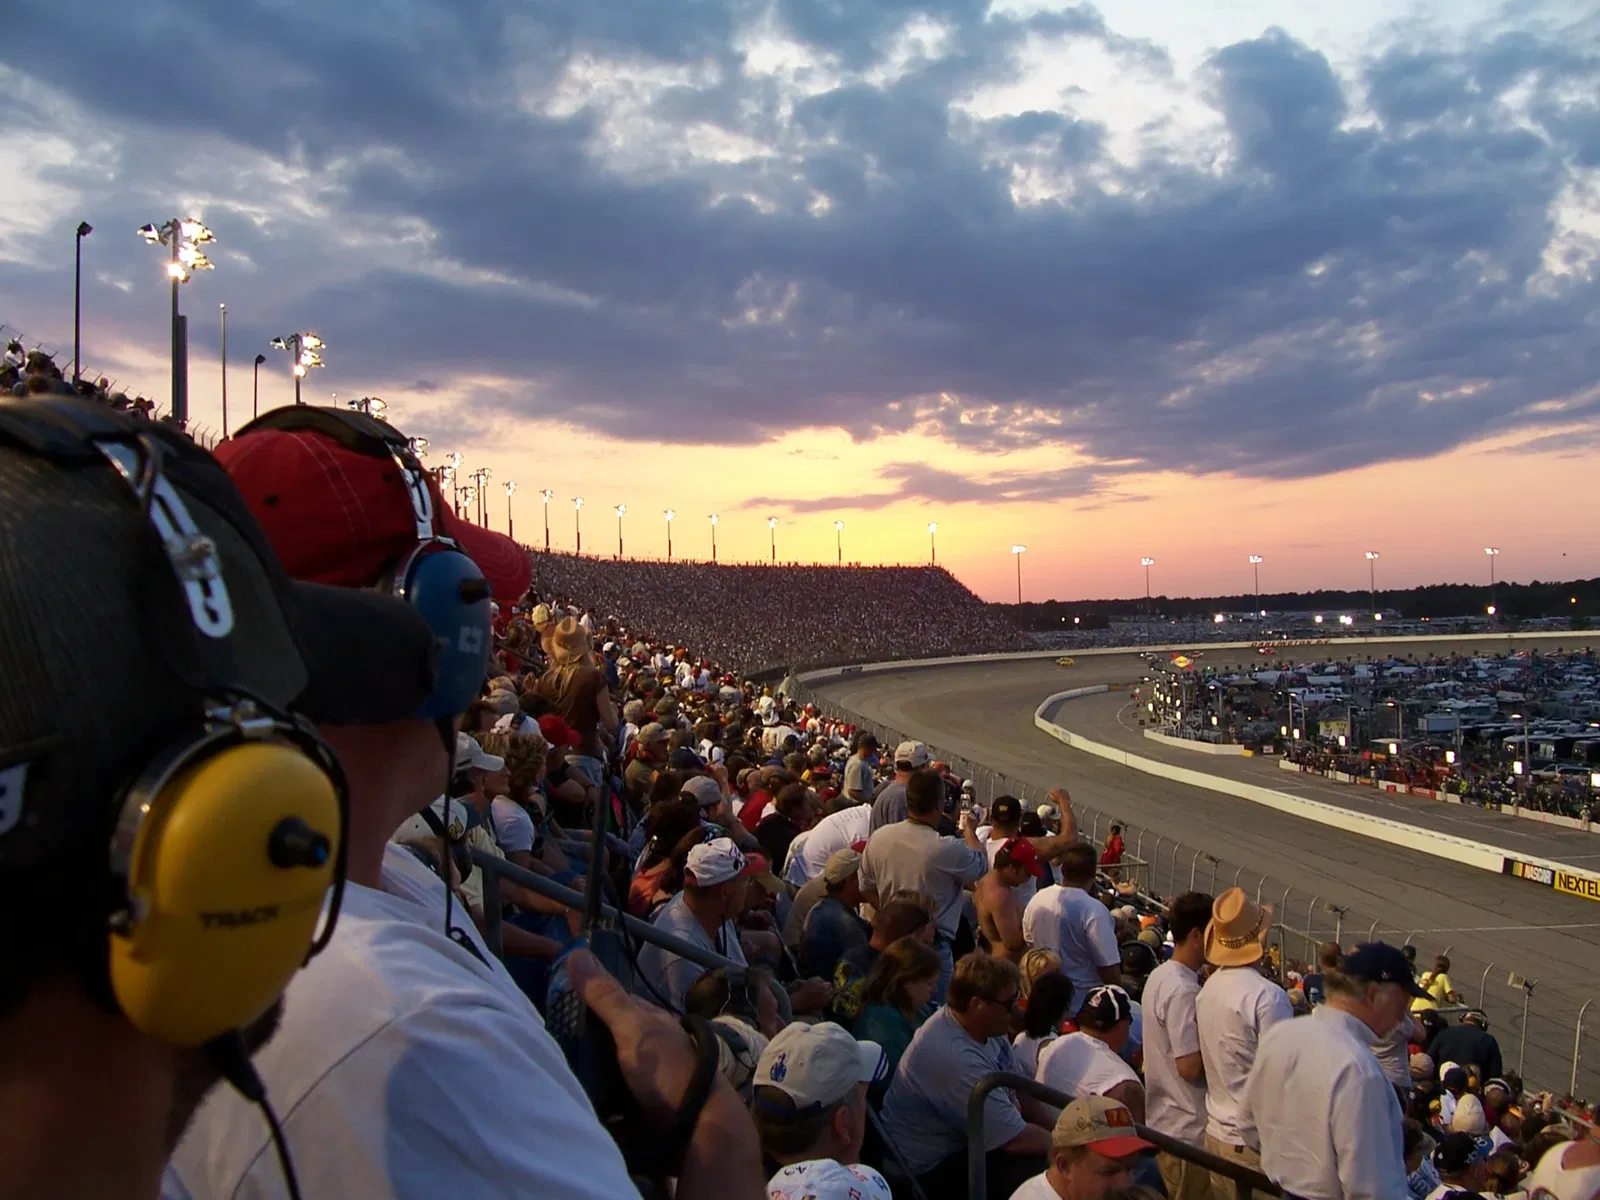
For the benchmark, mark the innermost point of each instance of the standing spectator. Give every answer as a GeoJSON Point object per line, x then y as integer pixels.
{"type": "Point", "coordinates": [889, 805]}
{"type": "Point", "coordinates": [767, 782]}
{"type": "Point", "coordinates": [1111, 856]}
{"type": "Point", "coordinates": [858, 770]}
{"type": "Point", "coordinates": [897, 999]}
{"type": "Point", "coordinates": [1089, 1062]}
{"type": "Point", "coordinates": [1470, 1042]}
{"type": "Point", "coordinates": [925, 1112]}
{"type": "Point", "coordinates": [834, 925]}
{"type": "Point", "coordinates": [1438, 988]}
{"type": "Point", "coordinates": [811, 1096]}
{"type": "Point", "coordinates": [1569, 1172]}
{"type": "Point", "coordinates": [1093, 1151]}
{"type": "Point", "coordinates": [1174, 1067]}
{"type": "Point", "coordinates": [1065, 918]}
{"type": "Point", "coordinates": [1327, 1117]}
{"type": "Point", "coordinates": [578, 692]}
{"type": "Point", "coordinates": [996, 897]}
{"type": "Point", "coordinates": [912, 856]}
{"type": "Point", "coordinates": [1328, 958]}
{"type": "Point", "coordinates": [1005, 822]}
{"type": "Point", "coordinates": [1236, 1007]}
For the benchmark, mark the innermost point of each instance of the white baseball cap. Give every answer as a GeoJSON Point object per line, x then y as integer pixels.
{"type": "Point", "coordinates": [818, 1065]}
{"type": "Point", "coordinates": [719, 860]}
{"type": "Point", "coordinates": [825, 1179]}
{"type": "Point", "coordinates": [470, 754]}
{"type": "Point", "coordinates": [914, 753]}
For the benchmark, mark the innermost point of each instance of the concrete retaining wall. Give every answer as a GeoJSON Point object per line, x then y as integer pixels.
{"type": "Point", "coordinates": [1199, 747]}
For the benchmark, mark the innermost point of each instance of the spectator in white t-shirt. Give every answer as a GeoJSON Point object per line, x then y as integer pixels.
{"type": "Point", "coordinates": [809, 853]}
{"type": "Point", "coordinates": [1174, 1068]}
{"type": "Point", "coordinates": [1089, 1062]}
{"type": "Point", "coordinates": [1236, 1007]}
{"type": "Point", "coordinates": [1093, 1151]}
{"type": "Point", "coordinates": [1065, 918]}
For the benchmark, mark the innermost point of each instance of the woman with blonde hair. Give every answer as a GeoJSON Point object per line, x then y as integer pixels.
{"type": "Point", "coordinates": [897, 1000]}
{"type": "Point", "coordinates": [578, 690]}
{"type": "Point", "coordinates": [1036, 963]}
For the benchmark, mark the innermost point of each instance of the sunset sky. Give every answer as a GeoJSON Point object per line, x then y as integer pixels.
{"type": "Point", "coordinates": [1150, 277]}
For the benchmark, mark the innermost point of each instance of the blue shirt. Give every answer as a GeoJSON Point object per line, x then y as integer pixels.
{"type": "Point", "coordinates": [925, 1112]}
{"type": "Point", "coordinates": [830, 929]}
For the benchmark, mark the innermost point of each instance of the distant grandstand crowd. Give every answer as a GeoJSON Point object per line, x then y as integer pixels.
{"type": "Point", "coordinates": [754, 617]}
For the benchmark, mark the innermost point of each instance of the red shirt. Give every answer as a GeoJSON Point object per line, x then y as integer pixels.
{"type": "Point", "coordinates": [754, 809]}
{"type": "Point", "coordinates": [1113, 850]}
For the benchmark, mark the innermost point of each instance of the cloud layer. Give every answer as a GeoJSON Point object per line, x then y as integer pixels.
{"type": "Point", "coordinates": [723, 221]}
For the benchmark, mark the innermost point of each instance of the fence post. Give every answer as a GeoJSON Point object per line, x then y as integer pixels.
{"type": "Point", "coordinates": [1310, 913]}
{"type": "Point", "coordinates": [1095, 836]}
{"type": "Point", "coordinates": [1194, 868]}
{"type": "Point", "coordinates": [1213, 884]}
{"type": "Point", "coordinates": [1260, 887]}
{"type": "Point", "coordinates": [1138, 847]}
{"type": "Point", "coordinates": [1522, 1050]}
{"type": "Point", "coordinates": [1372, 934]}
{"type": "Point", "coordinates": [1577, 1048]}
{"type": "Point", "coordinates": [1483, 984]}
{"type": "Point", "coordinates": [1236, 876]}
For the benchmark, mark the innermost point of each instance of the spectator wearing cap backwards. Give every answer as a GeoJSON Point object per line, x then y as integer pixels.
{"type": "Point", "coordinates": [912, 856]}
{"type": "Point", "coordinates": [834, 925]}
{"type": "Point", "coordinates": [1470, 1042]}
{"type": "Point", "coordinates": [1065, 918]}
{"type": "Point", "coordinates": [810, 1106]}
{"type": "Point", "coordinates": [1461, 1162]}
{"type": "Point", "coordinates": [1094, 1149]}
{"type": "Point", "coordinates": [859, 778]}
{"type": "Point", "coordinates": [889, 805]}
{"type": "Point", "coordinates": [1235, 1008]}
{"type": "Point", "coordinates": [400, 1020]}
{"type": "Point", "coordinates": [1005, 821]}
{"type": "Point", "coordinates": [996, 897]}
{"type": "Point", "coordinates": [925, 1112]}
{"type": "Point", "coordinates": [1174, 1067]}
{"type": "Point", "coordinates": [1089, 1062]}
{"type": "Point", "coordinates": [1327, 1117]}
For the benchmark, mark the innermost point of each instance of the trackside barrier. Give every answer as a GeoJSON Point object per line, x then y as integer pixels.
{"type": "Point", "coordinates": [1301, 921]}
{"type": "Point", "coordinates": [1247, 1182]}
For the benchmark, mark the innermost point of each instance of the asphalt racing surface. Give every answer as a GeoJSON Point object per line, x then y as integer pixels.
{"type": "Point", "coordinates": [984, 712]}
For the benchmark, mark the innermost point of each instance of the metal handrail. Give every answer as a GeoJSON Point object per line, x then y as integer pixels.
{"type": "Point", "coordinates": [1247, 1180]}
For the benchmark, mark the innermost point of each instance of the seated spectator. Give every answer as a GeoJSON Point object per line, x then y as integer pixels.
{"type": "Point", "coordinates": [1089, 1062]}
{"type": "Point", "coordinates": [1329, 956]}
{"type": "Point", "coordinates": [649, 757]}
{"type": "Point", "coordinates": [834, 925]}
{"type": "Point", "coordinates": [1047, 1003]}
{"type": "Point", "coordinates": [791, 812]}
{"type": "Point", "coordinates": [843, 861]}
{"type": "Point", "coordinates": [1503, 1171]}
{"type": "Point", "coordinates": [674, 830]}
{"type": "Point", "coordinates": [1093, 1151]}
{"type": "Point", "coordinates": [925, 1111]}
{"type": "Point", "coordinates": [897, 999]}
{"type": "Point", "coordinates": [1461, 1162]}
{"type": "Point", "coordinates": [905, 915]}
{"type": "Point", "coordinates": [811, 1096]}
{"type": "Point", "coordinates": [1421, 1176]}
{"type": "Point", "coordinates": [1035, 965]}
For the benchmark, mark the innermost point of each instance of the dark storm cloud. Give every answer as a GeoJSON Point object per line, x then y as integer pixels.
{"type": "Point", "coordinates": [921, 482]}
{"type": "Point", "coordinates": [1361, 279]}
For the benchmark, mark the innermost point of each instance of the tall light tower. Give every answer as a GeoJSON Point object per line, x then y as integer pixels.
{"type": "Point", "coordinates": [772, 533]}
{"type": "Point", "coordinates": [511, 488]}
{"type": "Point", "coordinates": [1255, 562]}
{"type": "Point", "coordinates": [452, 463]}
{"type": "Point", "coordinates": [933, 546]}
{"type": "Point", "coordinates": [838, 540]}
{"type": "Point", "coordinates": [714, 520]}
{"type": "Point", "coordinates": [303, 350]}
{"type": "Point", "coordinates": [1147, 562]}
{"type": "Point", "coordinates": [622, 511]}
{"type": "Point", "coordinates": [1372, 577]}
{"type": "Point", "coordinates": [1017, 552]}
{"type": "Point", "coordinates": [183, 237]}
{"type": "Point", "coordinates": [480, 479]}
{"type": "Point", "coordinates": [577, 521]}
{"type": "Point", "coordinates": [669, 514]}
{"type": "Point", "coordinates": [1493, 552]}
{"type": "Point", "coordinates": [546, 495]}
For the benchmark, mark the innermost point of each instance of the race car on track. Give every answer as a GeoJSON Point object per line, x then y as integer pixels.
{"type": "Point", "coordinates": [1265, 650]}
{"type": "Point", "coordinates": [1065, 661]}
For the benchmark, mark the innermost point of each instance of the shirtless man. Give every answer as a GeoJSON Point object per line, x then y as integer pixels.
{"type": "Point", "coordinates": [999, 912]}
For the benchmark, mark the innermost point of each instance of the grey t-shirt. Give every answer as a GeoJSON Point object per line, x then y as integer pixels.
{"type": "Point", "coordinates": [858, 778]}
{"type": "Point", "coordinates": [925, 1112]}
{"type": "Point", "coordinates": [908, 857]}
{"type": "Point", "coordinates": [890, 806]}
{"type": "Point", "coordinates": [671, 975]}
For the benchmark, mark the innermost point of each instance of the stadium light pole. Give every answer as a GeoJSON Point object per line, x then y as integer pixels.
{"type": "Point", "coordinates": [453, 462]}
{"type": "Point", "coordinates": [511, 488]}
{"type": "Point", "coordinates": [372, 406]}
{"type": "Point", "coordinates": [303, 351]}
{"type": "Point", "coordinates": [183, 237]}
{"type": "Point", "coordinates": [838, 540]}
{"type": "Point", "coordinates": [546, 495]}
{"type": "Point", "coordinates": [622, 510]}
{"type": "Point", "coordinates": [1017, 552]}
{"type": "Point", "coordinates": [772, 533]}
{"type": "Point", "coordinates": [669, 514]}
{"type": "Point", "coordinates": [222, 313]}
{"type": "Point", "coordinates": [577, 520]}
{"type": "Point", "coordinates": [714, 520]}
{"type": "Point", "coordinates": [1372, 577]}
{"type": "Point", "coordinates": [1255, 562]}
{"type": "Point", "coordinates": [84, 230]}
{"type": "Point", "coordinates": [255, 388]}
{"type": "Point", "coordinates": [933, 546]}
{"type": "Point", "coordinates": [1493, 552]}
{"type": "Point", "coordinates": [480, 478]}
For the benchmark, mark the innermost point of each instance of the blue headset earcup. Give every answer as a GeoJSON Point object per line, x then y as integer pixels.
{"type": "Point", "coordinates": [447, 588]}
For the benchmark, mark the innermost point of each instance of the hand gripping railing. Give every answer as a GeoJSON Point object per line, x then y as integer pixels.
{"type": "Point", "coordinates": [1245, 1180]}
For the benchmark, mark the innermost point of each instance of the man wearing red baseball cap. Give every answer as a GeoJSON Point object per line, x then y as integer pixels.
{"type": "Point", "coordinates": [999, 912]}
{"type": "Point", "coordinates": [407, 1015]}
{"type": "Point", "coordinates": [1093, 1149]}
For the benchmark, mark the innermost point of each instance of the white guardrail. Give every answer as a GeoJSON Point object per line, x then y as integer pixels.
{"type": "Point", "coordinates": [1547, 872]}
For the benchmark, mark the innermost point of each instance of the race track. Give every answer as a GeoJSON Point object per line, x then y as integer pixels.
{"type": "Point", "coordinates": [1489, 924]}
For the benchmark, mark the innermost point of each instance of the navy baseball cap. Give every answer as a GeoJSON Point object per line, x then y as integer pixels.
{"type": "Point", "coordinates": [1379, 962]}
{"type": "Point", "coordinates": [1458, 1151]}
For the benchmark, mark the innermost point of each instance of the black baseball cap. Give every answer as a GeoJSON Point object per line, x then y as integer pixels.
{"type": "Point", "coordinates": [1379, 962]}
{"type": "Point", "coordinates": [105, 665]}
{"type": "Point", "coordinates": [1006, 810]}
{"type": "Point", "coordinates": [1458, 1151]}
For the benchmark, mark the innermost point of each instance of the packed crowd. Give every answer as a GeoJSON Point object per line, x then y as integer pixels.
{"type": "Point", "coordinates": [840, 943]}
{"type": "Point", "coordinates": [751, 618]}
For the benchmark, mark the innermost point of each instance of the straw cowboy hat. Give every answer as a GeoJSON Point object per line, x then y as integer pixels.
{"type": "Point", "coordinates": [1236, 935]}
{"type": "Point", "coordinates": [570, 641]}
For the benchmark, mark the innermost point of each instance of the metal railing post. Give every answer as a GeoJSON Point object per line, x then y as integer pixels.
{"type": "Point", "coordinates": [1237, 875]}
{"type": "Point", "coordinates": [1310, 916]}
{"type": "Point", "coordinates": [1212, 886]}
{"type": "Point", "coordinates": [1194, 868]}
{"type": "Point", "coordinates": [1577, 1048]}
{"type": "Point", "coordinates": [1483, 984]}
{"type": "Point", "coordinates": [1260, 887]}
{"type": "Point", "coordinates": [1372, 934]}
{"type": "Point", "coordinates": [1522, 1049]}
